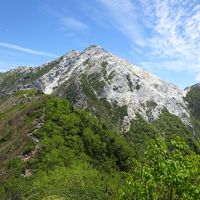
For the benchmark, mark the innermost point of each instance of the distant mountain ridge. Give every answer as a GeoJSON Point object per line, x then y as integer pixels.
{"type": "Point", "coordinates": [95, 75]}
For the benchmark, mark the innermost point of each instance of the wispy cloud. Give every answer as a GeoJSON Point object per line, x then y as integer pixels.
{"type": "Point", "coordinates": [26, 50]}
{"type": "Point", "coordinates": [122, 16]}
{"type": "Point", "coordinates": [176, 38]}
{"type": "Point", "coordinates": [65, 21]}
{"type": "Point", "coordinates": [167, 31]}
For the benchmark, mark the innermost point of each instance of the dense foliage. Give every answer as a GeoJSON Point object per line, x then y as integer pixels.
{"type": "Point", "coordinates": [166, 172]}
{"type": "Point", "coordinates": [77, 158]}
{"type": "Point", "coordinates": [193, 99]}
{"type": "Point", "coordinates": [51, 151]}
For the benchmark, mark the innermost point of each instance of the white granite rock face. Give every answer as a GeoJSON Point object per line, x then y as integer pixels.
{"type": "Point", "coordinates": [125, 84]}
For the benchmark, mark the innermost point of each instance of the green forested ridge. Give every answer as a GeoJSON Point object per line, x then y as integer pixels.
{"type": "Point", "coordinates": [78, 157]}
{"type": "Point", "coordinates": [167, 126]}
{"type": "Point", "coordinates": [193, 99]}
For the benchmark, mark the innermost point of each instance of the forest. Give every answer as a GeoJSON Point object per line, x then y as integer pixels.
{"type": "Point", "coordinates": [70, 154]}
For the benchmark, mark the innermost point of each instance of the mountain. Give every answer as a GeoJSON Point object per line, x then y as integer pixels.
{"type": "Point", "coordinates": [49, 150]}
{"type": "Point", "coordinates": [193, 99]}
{"type": "Point", "coordinates": [102, 83]}
{"type": "Point", "coordinates": [90, 125]}
{"type": "Point", "coordinates": [41, 134]}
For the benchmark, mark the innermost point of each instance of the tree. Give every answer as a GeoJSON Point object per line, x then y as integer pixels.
{"type": "Point", "coordinates": [167, 172]}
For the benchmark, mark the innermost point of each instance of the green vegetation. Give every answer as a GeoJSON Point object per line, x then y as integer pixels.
{"type": "Point", "coordinates": [77, 156]}
{"type": "Point", "coordinates": [49, 150]}
{"type": "Point", "coordinates": [151, 106]}
{"type": "Point", "coordinates": [170, 125]}
{"type": "Point", "coordinates": [87, 88]}
{"type": "Point", "coordinates": [130, 84]}
{"type": "Point", "coordinates": [86, 62]}
{"type": "Point", "coordinates": [12, 79]}
{"type": "Point", "coordinates": [69, 90]}
{"type": "Point", "coordinates": [166, 172]}
{"type": "Point", "coordinates": [96, 83]}
{"type": "Point", "coordinates": [17, 116]}
{"type": "Point", "coordinates": [9, 80]}
{"type": "Point", "coordinates": [193, 99]}
{"type": "Point", "coordinates": [43, 70]}
{"type": "Point", "coordinates": [111, 75]}
{"type": "Point", "coordinates": [167, 126]}
{"type": "Point", "coordinates": [104, 70]}
{"type": "Point", "coordinates": [140, 133]}
{"type": "Point", "coordinates": [111, 115]}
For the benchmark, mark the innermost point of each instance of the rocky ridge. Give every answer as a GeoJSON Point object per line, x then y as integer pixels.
{"type": "Point", "coordinates": [115, 80]}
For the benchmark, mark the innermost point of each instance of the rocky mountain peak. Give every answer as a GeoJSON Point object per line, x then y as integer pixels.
{"type": "Point", "coordinates": [94, 48]}
{"type": "Point", "coordinates": [94, 75]}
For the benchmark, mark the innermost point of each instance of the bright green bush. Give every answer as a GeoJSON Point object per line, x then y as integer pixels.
{"type": "Point", "coordinates": [165, 173]}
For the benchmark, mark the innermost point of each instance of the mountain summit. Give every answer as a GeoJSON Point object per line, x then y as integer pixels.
{"type": "Point", "coordinates": [98, 145]}
{"type": "Point", "coordinates": [96, 79]}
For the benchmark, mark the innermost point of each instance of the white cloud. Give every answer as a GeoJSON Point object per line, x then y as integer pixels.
{"type": "Point", "coordinates": [124, 18]}
{"type": "Point", "coordinates": [26, 50]}
{"type": "Point", "coordinates": [176, 38]}
{"type": "Point", "coordinates": [66, 22]}
{"type": "Point", "coordinates": [168, 31]}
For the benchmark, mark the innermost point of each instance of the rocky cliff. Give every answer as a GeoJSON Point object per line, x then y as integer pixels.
{"type": "Point", "coordinates": [94, 76]}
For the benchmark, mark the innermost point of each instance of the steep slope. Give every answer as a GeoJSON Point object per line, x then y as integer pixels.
{"type": "Point", "coordinates": [98, 75]}
{"type": "Point", "coordinates": [20, 115]}
{"type": "Point", "coordinates": [48, 148]}
{"type": "Point", "coordinates": [193, 99]}
{"type": "Point", "coordinates": [108, 86]}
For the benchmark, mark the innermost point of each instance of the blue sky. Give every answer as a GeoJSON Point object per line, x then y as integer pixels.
{"type": "Point", "coordinates": [162, 36]}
